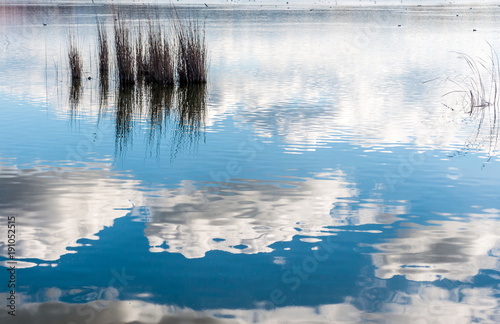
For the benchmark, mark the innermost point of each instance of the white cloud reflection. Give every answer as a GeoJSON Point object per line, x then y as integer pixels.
{"type": "Point", "coordinates": [247, 216]}
{"type": "Point", "coordinates": [454, 250]}
{"type": "Point", "coordinates": [426, 304]}
{"type": "Point", "coordinates": [55, 209]}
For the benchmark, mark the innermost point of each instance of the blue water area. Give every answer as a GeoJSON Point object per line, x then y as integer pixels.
{"type": "Point", "coordinates": [330, 170]}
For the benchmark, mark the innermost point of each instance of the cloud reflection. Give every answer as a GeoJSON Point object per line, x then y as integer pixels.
{"type": "Point", "coordinates": [245, 216]}
{"type": "Point", "coordinates": [55, 208]}
{"type": "Point", "coordinates": [455, 250]}
{"type": "Point", "coordinates": [459, 305]}
{"type": "Point", "coordinates": [248, 216]}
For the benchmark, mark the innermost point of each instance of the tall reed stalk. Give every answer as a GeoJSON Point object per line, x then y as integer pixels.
{"type": "Point", "coordinates": [124, 52]}
{"type": "Point", "coordinates": [191, 51]}
{"type": "Point", "coordinates": [140, 53]}
{"type": "Point", "coordinates": [103, 49]}
{"type": "Point", "coordinates": [160, 62]}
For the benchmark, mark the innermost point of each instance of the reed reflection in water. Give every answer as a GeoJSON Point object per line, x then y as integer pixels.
{"type": "Point", "coordinates": [476, 95]}
{"type": "Point", "coordinates": [75, 94]}
{"type": "Point", "coordinates": [103, 92]}
{"type": "Point", "coordinates": [161, 100]}
{"type": "Point", "coordinates": [191, 105]}
{"type": "Point", "coordinates": [126, 106]}
{"type": "Point", "coordinates": [173, 112]}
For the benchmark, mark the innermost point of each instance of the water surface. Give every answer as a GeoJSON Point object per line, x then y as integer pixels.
{"type": "Point", "coordinates": [320, 175]}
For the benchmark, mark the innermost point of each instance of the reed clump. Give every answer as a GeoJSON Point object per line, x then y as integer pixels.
{"type": "Point", "coordinates": [191, 51]}
{"type": "Point", "coordinates": [155, 53]}
{"type": "Point", "coordinates": [74, 58]}
{"type": "Point", "coordinates": [159, 61]}
{"type": "Point", "coordinates": [124, 49]}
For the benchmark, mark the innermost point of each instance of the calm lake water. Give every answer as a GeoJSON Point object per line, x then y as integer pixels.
{"type": "Point", "coordinates": [326, 173]}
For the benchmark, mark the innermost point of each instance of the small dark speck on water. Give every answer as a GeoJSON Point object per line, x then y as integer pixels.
{"type": "Point", "coordinates": [473, 30]}
{"type": "Point", "coordinates": [399, 25]}
{"type": "Point", "coordinates": [89, 78]}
